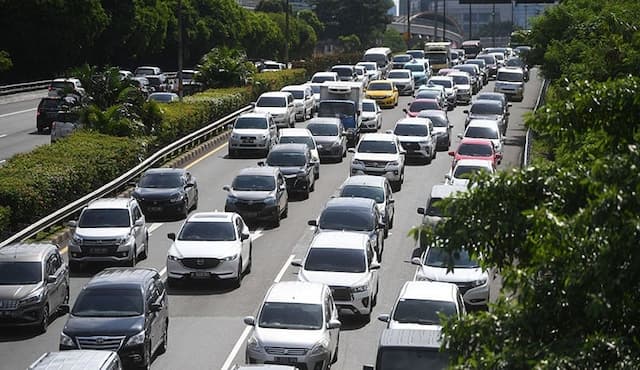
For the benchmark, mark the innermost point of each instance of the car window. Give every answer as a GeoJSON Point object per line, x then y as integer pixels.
{"type": "Point", "coordinates": [363, 191]}
{"type": "Point", "coordinates": [104, 218]}
{"type": "Point", "coordinates": [293, 316]}
{"type": "Point", "coordinates": [377, 146]}
{"type": "Point", "coordinates": [422, 311]}
{"type": "Point", "coordinates": [369, 254]}
{"type": "Point", "coordinates": [336, 260]}
{"type": "Point", "coordinates": [137, 214]}
{"type": "Point", "coordinates": [207, 231]}
{"type": "Point", "coordinates": [347, 219]}
{"type": "Point", "coordinates": [327, 309]}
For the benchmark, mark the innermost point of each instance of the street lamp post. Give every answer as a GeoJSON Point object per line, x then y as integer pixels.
{"type": "Point", "coordinates": [493, 25]}
{"type": "Point", "coordinates": [444, 20]}
{"type": "Point", "coordinates": [286, 33]}
{"type": "Point", "coordinates": [408, 24]}
{"type": "Point", "coordinates": [180, 92]}
{"type": "Point", "coordinates": [470, 32]}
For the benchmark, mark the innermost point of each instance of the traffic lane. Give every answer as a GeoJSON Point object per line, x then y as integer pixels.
{"type": "Point", "coordinates": [19, 102]}
{"type": "Point", "coordinates": [18, 134]}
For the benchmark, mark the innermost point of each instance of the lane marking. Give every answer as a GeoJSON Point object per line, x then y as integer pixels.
{"type": "Point", "coordinates": [2, 161]}
{"type": "Point", "coordinates": [154, 227]}
{"type": "Point", "coordinates": [247, 330]}
{"type": "Point", "coordinates": [3, 135]}
{"type": "Point", "coordinates": [163, 271]}
{"type": "Point", "coordinates": [64, 250]}
{"type": "Point", "coordinates": [18, 112]}
{"type": "Point", "coordinates": [257, 234]}
{"type": "Point", "coordinates": [212, 152]}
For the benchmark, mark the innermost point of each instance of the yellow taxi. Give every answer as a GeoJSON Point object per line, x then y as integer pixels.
{"type": "Point", "coordinates": [384, 92]}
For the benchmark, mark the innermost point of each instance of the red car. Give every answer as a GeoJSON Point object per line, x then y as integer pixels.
{"type": "Point", "coordinates": [422, 104]}
{"type": "Point", "coordinates": [471, 148]}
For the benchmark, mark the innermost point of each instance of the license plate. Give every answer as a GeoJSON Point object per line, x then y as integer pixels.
{"type": "Point", "coordinates": [100, 250]}
{"type": "Point", "coordinates": [155, 209]}
{"type": "Point", "coordinates": [200, 275]}
{"type": "Point", "coordinates": [250, 214]}
{"type": "Point", "coordinates": [5, 313]}
{"type": "Point", "coordinates": [286, 360]}
{"type": "Point", "coordinates": [247, 141]}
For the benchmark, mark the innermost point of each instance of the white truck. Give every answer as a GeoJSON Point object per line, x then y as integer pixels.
{"type": "Point", "coordinates": [343, 100]}
{"type": "Point", "coordinates": [439, 55]}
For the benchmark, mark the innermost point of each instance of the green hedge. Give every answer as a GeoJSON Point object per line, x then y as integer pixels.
{"type": "Point", "coordinates": [39, 182]}
{"type": "Point", "coordinates": [274, 81]}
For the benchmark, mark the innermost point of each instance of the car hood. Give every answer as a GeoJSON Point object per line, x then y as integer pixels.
{"type": "Point", "coordinates": [330, 278]}
{"type": "Point", "coordinates": [204, 249]}
{"type": "Point", "coordinates": [368, 115]}
{"type": "Point", "coordinates": [440, 130]}
{"type": "Point", "coordinates": [379, 92]}
{"type": "Point", "coordinates": [155, 193]}
{"type": "Point", "coordinates": [324, 140]}
{"type": "Point", "coordinates": [17, 291]}
{"type": "Point", "coordinates": [400, 80]}
{"type": "Point", "coordinates": [509, 83]}
{"type": "Point", "coordinates": [249, 131]}
{"type": "Point", "coordinates": [383, 157]}
{"type": "Point", "coordinates": [272, 110]}
{"type": "Point", "coordinates": [464, 87]}
{"type": "Point", "coordinates": [252, 195]}
{"type": "Point", "coordinates": [98, 232]}
{"type": "Point", "coordinates": [413, 139]}
{"type": "Point", "coordinates": [411, 326]}
{"type": "Point", "coordinates": [287, 338]}
{"type": "Point", "coordinates": [493, 117]}
{"type": "Point", "coordinates": [458, 275]}
{"type": "Point", "coordinates": [287, 171]}
{"type": "Point", "coordinates": [107, 326]}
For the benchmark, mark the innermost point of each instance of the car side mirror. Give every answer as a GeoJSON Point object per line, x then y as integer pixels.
{"type": "Point", "coordinates": [421, 211]}
{"type": "Point", "coordinates": [72, 223]}
{"type": "Point", "coordinates": [334, 324]}
{"type": "Point", "coordinates": [226, 188]}
{"type": "Point", "coordinates": [459, 136]}
{"type": "Point", "coordinates": [416, 261]}
{"type": "Point", "coordinates": [64, 309]}
{"type": "Point", "coordinates": [296, 263]}
{"type": "Point", "coordinates": [171, 236]}
{"type": "Point", "coordinates": [451, 153]}
{"type": "Point", "coordinates": [381, 225]}
{"type": "Point", "coordinates": [139, 222]}
{"type": "Point", "coordinates": [351, 150]}
{"type": "Point", "coordinates": [450, 126]}
{"type": "Point", "coordinates": [155, 307]}
{"type": "Point", "coordinates": [405, 110]}
{"type": "Point", "coordinates": [384, 317]}
{"type": "Point", "coordinates": [261, 164]}
{"type": "Point", "coordinates": [447, 177]}
{"type": "Point", "coordinates": [509, 105]}
{"type": "Point", "coordinates": [465, 111]}
{"type": "Point", "coordinates": [312, 223]}
{"type": "Point", "coordinates": [392, 201]}
{"type": "Point", "coordinates": [249, 320]}
{"type": "Point", "coordinates": [189, 185]}
{"type": "Point", "coordinates": [507, 114]}
{"type": "Point", "coordinates": [244, 236]}
{"type": "Point", "coordinates": [51, 279]}
{"type": "Point", "coordinates": [374, 266]}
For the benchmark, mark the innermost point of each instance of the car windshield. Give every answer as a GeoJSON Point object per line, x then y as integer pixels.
{"type": "Point", "coordinates": [207, 231]}
{"type": "Point", "coordinates": [51, 103]}
{"type": "Point", "coordinates": [251, 123]}
{"type": "Point", "coordinates": [109, 302]}
{"type": "Point", "coordinates": [489, 59]}
{"type": "Point", "coordinates": [315, 89]}
{"type": "Point", "coordinates": [296, 316]}
{"type": "Point", "coordinates": [438, 257]}
{"type": "Point", "coordinates": [360, 71]}
{"type": "Point", "coordinates": [475, 150]}
{"type": "Point", "coordinates": [346, 219]}
{"type": "Point", "coordinates": [428, 94]}
{"type": "Point", "coordinates": [425, 312]}
{"type": "Point", "coordinates": [487, 108]}
{"type": "Point", "coordinates": [499, 56]}
{"type": "Point", "coordinates": [145, 71]}
{"type": "Point", "coordinates": [368, 107]}
{"type": "Point", "coordinates": [417, 54]}
{"type": "Point", "coordinates": [286, 159]}
{"type": "Point", "coordinates": [368, 66]}
{"type": "Point", "coordinates": [433, 209]}
{"type": "Point", "coordinates": [417, 106]}
{"type": "Point", "coordinates": [401, 58]}
{"type": "Point", "coordinates": [322, 78]}
{"type": "Point", "coordinates": [414, 67]}
{"type": "Point", "coordinates": [481, 132]}
{"type": "Point", "coordinates": [509, 76]}
{"type": "Point", "coordinates": [102, 217]}
{"type": "Point", "coordinates": [379, 86]}
{"type": "Point", "coordinates": [398, 74]}
{"type": "Point", "coordinates": [159, 180]}
{"type": "Point", "coordinates": [253, 183]}
{"type": "Point", "coordinates": [465, 172]}
{"type": "Point", "coordinates": [336, 260]}
{"type": "Point", "coordinates": [362, 191]}
{"type": "Point", "coordinates": [416, 358]}
{"type": "Point", "coordinates": [461, 80]}
{"type": "Point", "coordinates": [272, 102]}
{"type": "Point", "coordinates": [444, 83]}
{"type": "Point", "coordinates": [480, 63]}
{"type": "Point", "coordinates": [411, 130]}
{"type": "Point", "coordinates": [318, 129]}
{"type": "Point", "coordinates": [188, 75]}
{"type": "Point", "coordinates": [62, 85]}
{"type": "Point", "coordinates": [20, 273]}
{"type": "Point", "coordinates": [297, 94]}
{"type": "Point", "coordinates": [515, 62]}
{"type": "Point", "coordinates": [377, 146]}
{"type": "Point", "coordinates": [298, 140]}
{"type": "Point", "coordinates": [336, 109]}
{"type": "Point", "coordinates": [489, 96]}
{"type": "Point", "coordinates": [380, 59]}
{"type": "Point", "coordinates": [342, 71]}
{"type": "Point", "coordinates": [438, 121]}
{"type": "Point", "coordinates": [437, 58]}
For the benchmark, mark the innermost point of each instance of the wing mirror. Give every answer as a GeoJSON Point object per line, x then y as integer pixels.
{"type": "Point", "coordinates": [405, 110]}
{"type": "Point", "coordinates": [261, 164]}
{"type": "Point", "coordinates": [64, 309]}
{"type": "Point", "coordinates": [51, 279]}
{"type": "Point", "coordinates": [421, 211]}
{"type": "Point", "coordinates": [312, 223]}
{"type": "Point", "coordinates": [72, 223]}
{"type": "Point", "coordinates": [416, 261]}
{"type": "Point", "coordinates": [459, 136]}
{"type": "Point", "coordinates": [351, 150]}
{"type": "Point", "coordinates": [226, 188]}
{"type": "Point", "coordinates": [155, 307]}
{"type": "Point", "coordinates": [296, 263]}
{"type": "Point", "coordinates": [244, 236]}
{"type": "Point", "coordinates": [384, 317]}
{"type": "Point", "coordinates": [465, 111]}
{"type": "Point", "coordinates": [374, 266]}
{"type": "Point", "coordinates": [334, 324]}
{"type": "Point", "coordinates": [172, 236]}
{"type": "Point", "coordinates": [139, 222]}
{"type": "Point", "coordinates": [451, 153]}
{"type": "Point", "coordinates": [249, 320]}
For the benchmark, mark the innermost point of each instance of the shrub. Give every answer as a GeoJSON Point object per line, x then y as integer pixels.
{"type": "Point", "coordinates": [274, 81]}
{"type": "Point", "coordinates": [39, 182]}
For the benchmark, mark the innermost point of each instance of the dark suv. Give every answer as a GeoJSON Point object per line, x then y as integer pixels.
{"type": "Point", "coordinates": [297, 166]}
{"type": "Point", "coordinates": [47, 112]}
{"type": "Point", "coordinates": [123, 310]}
{"type": "Point", "coordinates": [34, 284]}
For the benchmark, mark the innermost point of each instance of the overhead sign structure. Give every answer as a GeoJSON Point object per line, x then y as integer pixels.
{"type": "Point", "coordinates": [485, 1]}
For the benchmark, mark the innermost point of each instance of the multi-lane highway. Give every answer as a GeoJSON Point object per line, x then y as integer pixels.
{"type": "Point", "coordinates": [18, 124]}
{"type": "Point", "coordinates": [206, 328]}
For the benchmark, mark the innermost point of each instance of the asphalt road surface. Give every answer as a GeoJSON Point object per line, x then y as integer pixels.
{"type": "Point", "coordinates": [206, 327]}
{"type": "Point", "coordinates": [18, 124]}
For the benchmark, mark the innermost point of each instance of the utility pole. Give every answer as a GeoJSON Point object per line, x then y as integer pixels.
{"type": "Point", "coordinates": [286, 34]}
{"type": "Point", "coordinates": [180, 92]}
{"type": "Point", "coordinates": [470, 32]}
{"type": "Point", "coordinates": [493, 25]}
{"type": "Point", "coordinates": [435, 22]}
{"type": "Point", "coordinates": [408, 24]}
{"type": "Point", "coordinates": [444, 20]}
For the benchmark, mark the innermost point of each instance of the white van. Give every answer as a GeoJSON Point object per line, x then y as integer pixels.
{"type": "Point", "coordinates": [382, 57]}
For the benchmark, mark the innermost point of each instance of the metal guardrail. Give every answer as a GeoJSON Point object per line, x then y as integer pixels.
{"type": "Point", "coordinates": [526, 157]}
{"type": "Point", "coordinates": [68, 210]}
{"type": "Point", "coordinates": [24, 87]}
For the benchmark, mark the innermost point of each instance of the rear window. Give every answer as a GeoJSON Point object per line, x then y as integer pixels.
{"type": "Point", "coordinates": [347, 219]}
{"type": "Point", "coordinates": [322, 129]}
{"type": "Point", "coordinates": [271, 102]}
{"type": "Point", "coordinates": [486, 107]}
{"type": "Point", "coordinates": [336, 260]}
{"type": "Point", "coordinates": [297, 94]}
{"type": "Point", "coordinates": [475, 150]}
{"type": "Point", "coordinates": [50, 103]}
{"type": "Point", "coordinates": [398, 74]}
{"type": "Point", "coordinates": [417, 106]}
{"type": "Point", "coordinates": [510, 76]}
{"type": "Point", "coordinates": [481, 132]}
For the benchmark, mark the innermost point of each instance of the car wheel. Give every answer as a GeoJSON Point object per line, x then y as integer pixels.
{"type": "Point", "coordinates": [74, 266]}
{"type": "Point", "coordinates": [248, 270]}
{"type": "Point", "coordinates": [66, 297]}
{"type": "Point", "coordinates": [185, 210]}
{"type": "Point", "coordinates": [40, 130]}
{"type": "Point", "coordinates": [147, 357]}
{"type": "Point", "coordinates": [172, 282]}
{"type": "Point", "coordinates": [396, 185]}
{"type": "Point", "coordinates": [134, 257]}
{"type": "Point", "coordinates": [44, 322]}
{"type": "Point", "coordinates": [145, 251]}
{"type": "Point", "coordinates": [165, 339]}
{"type": "Point", "coordinates": [334, 359]}
{"type": "Point", "coordinates": [237, 282]}
{"type": "Point", "coordinates": [231, 153]}
{"type": "Point", "coordinates": [276, 218]}
{"type": "Point", "coordinates": [285, 213]}
{"type": "Point", "coordinates": [374, 300]}
{"type": "Point", "coordinates": [386, 232]}
{"type": "Point", "coordinates": [391, 223]}
{"type": "Point", "coordinates": [305, 195]}
{"type": "Point", "coordinates": [195, 202]}
{"type": "Point", "coordinates": [313, 184]}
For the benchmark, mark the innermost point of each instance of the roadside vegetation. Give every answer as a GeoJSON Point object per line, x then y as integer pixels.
{"type": "Point", "coordinates": [563, 232]}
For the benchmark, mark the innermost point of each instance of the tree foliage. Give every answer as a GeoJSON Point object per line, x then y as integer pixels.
{"type": "Point", "coordinates": [271, 6]}
{"type": "Point", "coordinates": [393, 40]}
{"type": "Point", "coordinates": [224, 67]}
{"type": "Point", "coordinates": [5, 61]}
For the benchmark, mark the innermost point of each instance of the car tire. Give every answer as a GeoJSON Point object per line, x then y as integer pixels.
{"type": "Point", "coordinates": [374, 300]}
{"type": "Point", "coordinates": [40, 130]}
{"type": "Point", "coordinates": [249, 265]}
{"type": "Point", "coordinates": [172, 282]}
{"type": "Point", "coordinates": [334, 359]}
{"type": "Point", "coordinates": [165, 339]}
{"type": "Point", "coordinates": [185, 211]}
{"type": "Point", "coordinates": [396, 186]}
{"type": "Point", "coordinates": [391, 222]}
{"type": "Point", "coordinates": [237, 282]}
{"type": "Point", "coordinates": [313, 184]}
{"type": "Point", "coordinates": [231, 154]}
{"type": "Point", "coordinates": [132, 262]}
{"type": "Point", "coordinates": [148, 356]}
{"type": "Point", "coordinates": [285, 213]}
{"type": "Point", "coordinates": [145, 252]}
{"type": "Point", "coordinates": [195, 202]}
{"type": "Point", "coordinates": [44, 322]}
{"type": "Point", "coordinates": [74, 266]}
{"type": "Point", "coordinates": [276, 220]}
{"type": "Point", "coordinates": [386, 232]}
{"type": "Point", "coordinates": [305, 195]}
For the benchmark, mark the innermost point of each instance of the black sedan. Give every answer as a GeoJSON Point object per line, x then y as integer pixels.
{"type": "Point", "coordinates": [296, 165]}
{"type": "Point", "coordinates": [163, 191]}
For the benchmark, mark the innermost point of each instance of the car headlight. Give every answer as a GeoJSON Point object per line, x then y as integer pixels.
{"type": "Point", "coordinates": [393, 164]}
{"type": "Point", "coordinates": [76, 239]}
{"type": "Point", "coordinates": [302, 173]}
{"type": "Point", "coordinates": [235, 136]}
{"type": "Point", "coordinates": [231, 199]}
{"type": "Point", "coordinates": [65, 340]}
{"type": "Point", "coordinates": [171, 257]}
{"type": "Point", "coordinates": [270, 201]}
{"type": "Point", "coordinates": [423, 278]}
{"type": "Point", "coordinates": [253, 344]}
{"type": "Point", "coordinates": [425, 142]}
{"type": "Point", "coordinates": [356, 162]}
{"type": "Point", "coordinates": [319, 349]}
{"type": "Point", "coordinates": [136, 339]}
{"type": "Point", "coordinates": [177, 198]}
{"type": "Point", "coordinates": [230, 258]}
{"type": "Point", "coordinates": [360, 288]}
{"type": "Point", "coordinates": [479, 282]}
{"type": "Point", "coordinates": [33, 298]}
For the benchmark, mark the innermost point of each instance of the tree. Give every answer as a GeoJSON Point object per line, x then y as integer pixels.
{"type": "Point", "coordinates": [393, 40]}
{"type": "Point", "coordinates": [264, 35]}
{"type": "Point", "coordinates": [271, 6]}
{"type": "Point", "coordinates": [5, 61]}
{"type": "Point", "coordinates": [223, 67]}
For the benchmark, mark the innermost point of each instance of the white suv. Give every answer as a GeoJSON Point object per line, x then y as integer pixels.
{"type": "Point", "coordinates": [210, 245]}
{"type": "Point", "coordinates": [296, 325]}
{"type": "Point", "coordinates": [280, 105]}
{"type": "Point", "coordinates": [303, 100]}
{"type": "Point", "coordinates": [253, 131]}
{"type": "Point", "coordinates": [403, 80]}
{"type": "Point", "coordinates": [347, 263]}
{"type": "Point", "coordinates": [510, 81]}
{"type": "Point", "coordinates": [109, 230]}
{"type": "Point", "coordinates": [379, 155]}
{"type": "Point", "coordinates": [417, 137]}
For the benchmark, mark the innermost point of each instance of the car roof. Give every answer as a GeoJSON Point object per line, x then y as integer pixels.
{"type": "Point", "coordinates": [263, 367]}
{"type": "Point", "coordinates": [295, 87]}
{"type": "Point", "coordinates": [424, 100]}
{"type": "Point", "coordinates": [495, 94]}
{"type": "Point", "coordinates": [122, 276]}
{"type": "Point", "coordinates": [343, 66]}
{"type": "Point", "coordinates": [340, 240]}
{"type": "Point", "coordinates": [400, 70]}
{"type": "Point", "coordinates": [511, 69]}
{"type": "Point", "coordinates": [350, 203]}
{"type": "Point", "coordinates": [296, 292]}
{"type": "Point", "coordinates": [260, 171]}
{"type": "Point", "coordinates": [211, 217]}
{"type": "Point", "coordinates": [166, 170]}
{"type": "Point", "coordinates": [77, 359]}
{"type": "Point", "coordinates": [387, 82]}
{"type": "Point", "coordinates": [474, 162]}
{"type": "Point", "coordinates": [434, 112]}
{"type": "Point", "coordinates": [428, 290]}
{"type": "Point", "coordinates": [255, 115]}
{"type": "Point", "coordinates": [289, 147]}
{"type": "Point", "coordinates": [364, 180]}
{"type": "Point", "coordinates": [413, 121]}
{"type": "Point", "coordinates": [475, 140]}
{"type": "Point", "coordinates": [436, 78]}
{"type": "Point", "coordinates": [296, 131]}
{"type": "Point", "coordinates": [325, 74]}
{"type": "Point", "coordinates": [441, 191]}
{"type": "Point", "coordinates": [324, 121]}
{"type": "Point", "coordinates": [483, 123]}
{"type": "Point", "coordinates": [378, 137]}
{"type": "Point", "coordinates": [371, 101]}
{"type": "Point", "coordinates": [424, 338]}
{"type": "Point", "coordinates": [24, 252]}
{"type": "Point", "coordinates": [278, 94]}
{"type": "Point", "coordinates": [106, 203]}
{"type": "Point", "coordinates": [486, 102]}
